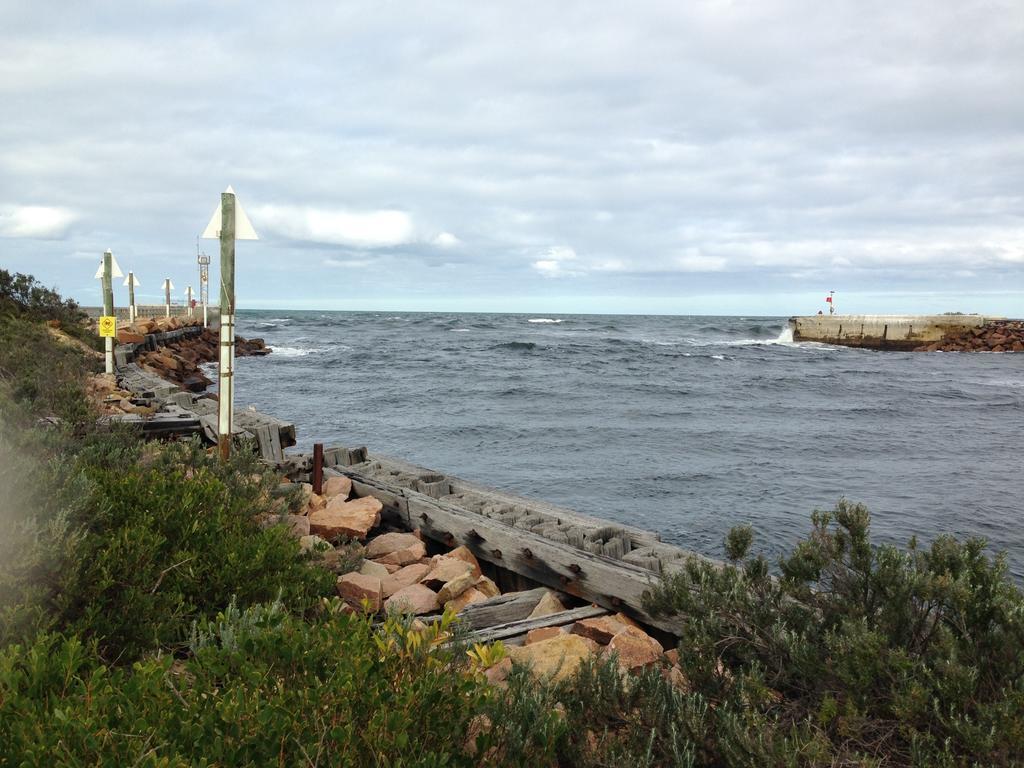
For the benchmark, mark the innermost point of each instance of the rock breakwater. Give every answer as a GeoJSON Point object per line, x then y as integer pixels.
{"type": "Point", "coordinates": [179, 360]}
{"type": "Point", "coordinates": [996, 336]}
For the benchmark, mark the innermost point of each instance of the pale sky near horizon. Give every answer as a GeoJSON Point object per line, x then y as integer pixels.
{"type": "Point", "coordinates": [707, 157]}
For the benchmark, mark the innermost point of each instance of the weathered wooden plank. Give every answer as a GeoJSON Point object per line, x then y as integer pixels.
{"type": "Point", "coordinates": [513, 633]}
{"type": "Point", "coordinates": [613, 584]}
{"type": "Point", "coordinates": [503, 609]}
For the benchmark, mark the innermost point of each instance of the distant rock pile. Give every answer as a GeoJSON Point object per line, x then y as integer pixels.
{"type": "Point", "coordinates": [997, 336]}
{"type": "Point", "coordinates": [395, 573]}
{"type": "Point", "coordinates": [180, 360]}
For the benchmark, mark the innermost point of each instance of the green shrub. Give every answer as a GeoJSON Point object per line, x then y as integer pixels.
{"type": "Point", "coordinates": [25, 297]}
{"type": "Point", "coordinates": [858, 653]}
{"type": "Point", "coordinates": [41, 376]}
{"type": "Point", "coordinates": [170, 537]}
{"type": "Point", "coordinates": [262, 688]}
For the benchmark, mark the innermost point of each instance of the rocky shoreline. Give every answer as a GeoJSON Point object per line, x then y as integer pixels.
{"type": "Point", "coordinates": [996, 336]}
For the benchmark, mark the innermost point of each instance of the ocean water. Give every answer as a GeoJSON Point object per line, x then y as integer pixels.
{"type": "Point", "coordinates": [680, 425]}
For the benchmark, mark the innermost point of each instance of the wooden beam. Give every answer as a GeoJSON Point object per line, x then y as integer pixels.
{"type": "Point", "coordinates": [513, 633]}
{"type": "Point", "coordinates": [612, 584]}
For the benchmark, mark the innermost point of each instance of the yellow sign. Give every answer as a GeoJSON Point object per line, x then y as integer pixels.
{"type": "Point", "coordinates": [108, 326]}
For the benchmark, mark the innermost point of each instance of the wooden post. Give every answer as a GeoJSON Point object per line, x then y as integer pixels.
{"type": "Point", "coordinates": [225, 374]}
{"type": "Point", "coordinates": [188, 309]}
{"type": "Point", "coordinates": [318, 468]}
{"type": "Point", "coordinates": [131, 297]}
{"type": "Point", "coordinates": [167, 297]}
{"type": "Point", "coordinates": [108, 307]}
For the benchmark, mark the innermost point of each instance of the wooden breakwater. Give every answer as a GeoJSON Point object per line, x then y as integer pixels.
{"type": "Point", "coordinates": [594, 567]}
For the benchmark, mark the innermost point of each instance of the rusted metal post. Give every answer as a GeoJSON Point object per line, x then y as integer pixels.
{"type": "Point", "coordinates": [318, 468]}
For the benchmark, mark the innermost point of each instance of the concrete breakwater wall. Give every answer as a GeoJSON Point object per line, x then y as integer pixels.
{"type": "Point", "coordinates": [895, 332]}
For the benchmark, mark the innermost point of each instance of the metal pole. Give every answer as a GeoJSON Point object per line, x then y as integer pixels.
{"type": "Point", "coordinates": [167, 297]}
{"type": "Point", "coordinates": [108, 308]}
{"type": "Point", "coordinates": [131, 297]}
{"type": "Point", "coordinates": [225, 376]}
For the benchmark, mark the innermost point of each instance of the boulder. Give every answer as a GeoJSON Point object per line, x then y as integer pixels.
{"type": "Point", "coordinates": [547, 605]}
{"type": "Point", "coordinates": [602, 628]}
{"type": "Point", "coordinates": [553, 659]}
{"type": "Point", "coordinates": [542, 633]}
{"type": "Point", "coordinates": [310, 543]}
{"type": "Point", "coordinates": [355, 587]}
{"type": "Point", "coordinates": [404, 556]}
{"type": "Point", "coordinates": [444, 570]}
{"type": "Point", "coordinates": [337, 486]}
{"type": "Point", "coordinates": [416, 599]}
{"type": "Point", "coordinates": [466, 597]}
{"type": "Point", "coordinates": [488, 587]}
{"type": "Point", "coordinates": [463, 553]}
{"type": "Point", "coordinates": [370, 568]}
{"type": "Point", "coordinates": [125, 336]}
{"type": "Point", "coordinates": [388, 543]}
{"type": "Point", "coordinates": [456, 587]}
{"type": "Point", "coordinates": [497, 674]}
{"type": "Point", "coordinates": [316, 502]}
{"type": "Point", "coordinates": [402, 578]}
{"type": "Point", "coordinates": [352, 519]}
{"type": "Point", "coordinates": [635, 648]}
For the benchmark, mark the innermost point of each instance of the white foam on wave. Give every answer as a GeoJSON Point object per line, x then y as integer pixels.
{"type": "Point", "coordinates": [543, 320]}
{"type": "Point", "coordinates": [294, 351]}
{"type": "Point", "coordinates": [459, 330]}
{"type": "Point", "coordinates": [279, 320]}
{"type": "Point", "coordinates": [718, 357]}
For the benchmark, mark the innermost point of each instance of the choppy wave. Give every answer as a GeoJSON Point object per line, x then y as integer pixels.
{"type": "Point", "coordinates": [516, 345]}
{"type": "Point", "coordinates": [542, 320]}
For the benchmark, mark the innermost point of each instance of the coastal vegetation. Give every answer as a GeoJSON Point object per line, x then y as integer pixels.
{"type": "Point", "coordinates": [148, 618]}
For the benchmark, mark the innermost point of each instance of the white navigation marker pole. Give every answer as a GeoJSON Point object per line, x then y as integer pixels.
{"type": "Point", "coordinates": [168, 287]}
{"type": "Point", "coordinates": [132, 282]}
{"type": "Point", "coordinates": [229, 223]}
{"type": "Point", "coordinates": [108, 270]}
{"type": "Point", "coordinates": [188, 298]}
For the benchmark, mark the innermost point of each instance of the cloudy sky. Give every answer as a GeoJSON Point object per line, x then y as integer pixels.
{"type": "Point", "coordinates": [679, 157]}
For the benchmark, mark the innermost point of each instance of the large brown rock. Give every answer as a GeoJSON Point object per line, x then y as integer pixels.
{"type": "Point", "coordinates": [416, 599]}
{"type": "Point", "coordinates": [547, 605]}
{"type": "Point", "coordinates": [337, 486]}
{"type": "Point", "coordinates": [602, 628]}
{"type": "Point", "coordinates": [404, 577]}
{"type": "Point", "coordinates": [352, 519]}
{"type": "Point", "coordinates": [456, 587]}
{"type": "Point", "coordinates": [388, 543]}
{"type": "Point", "coordinates": [125, 336]}
{"type": "Point", "coordinates": [635, 648]}
{"type": "Point", "coordinates": [464, 598]}
{"type": "Point", "coordinates": [463, 553]}
{"type": "Point", "coordinates": [356, 587]}
{"type": "Point", "coordinates": [542, 633]}
{"type": "Point", "coordinates": [411, 554]}
{"type": "Point", "coordinates": [553, 659]}
{"type": "Point", "coordinates": [488, 587]}
{"type": "Point", "coordinates": [444, 570]}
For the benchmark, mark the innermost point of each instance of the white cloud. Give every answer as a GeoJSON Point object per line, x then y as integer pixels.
{"type": "Point", "coordinates": [446, 240]}
{"type": "Point", "coordinates": [366, 229]}
{"type": "Point", "coordinates": [35, 221]}
{"type": "Point", "coordinates": [554, 263]}
{"type": "Point", "coordinates": [349, 263]}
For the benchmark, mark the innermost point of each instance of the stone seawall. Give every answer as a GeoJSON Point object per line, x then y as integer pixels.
{"type": "Point", "coordinates": [891, 332]}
